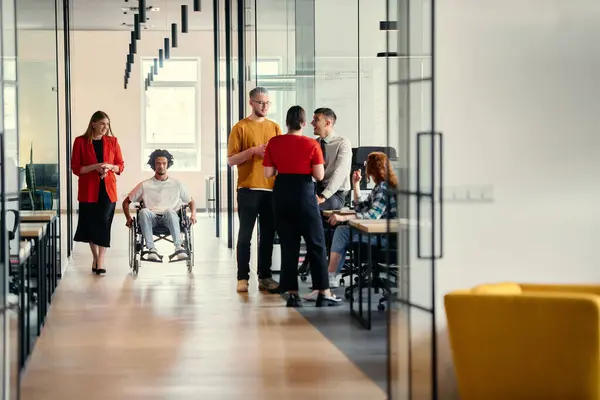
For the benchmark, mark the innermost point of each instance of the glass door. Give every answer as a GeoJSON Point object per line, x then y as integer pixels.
{"type": "Point", "coordinates": [411, 130]}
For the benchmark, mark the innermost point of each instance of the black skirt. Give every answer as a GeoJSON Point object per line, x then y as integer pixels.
{"type": "Point", "coordinates": [95, 220]}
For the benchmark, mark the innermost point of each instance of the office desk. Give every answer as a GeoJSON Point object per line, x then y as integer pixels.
{"type": "Point", "coordinates": [329, 213]}
{"type": "Point", "coordinates": [51, 218]}
{"type": "Point", "coordinates": [37, 232]}
{"type": "Point", "coordinates": [369, 227]}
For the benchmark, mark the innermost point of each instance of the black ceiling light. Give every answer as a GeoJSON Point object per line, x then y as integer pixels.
{"type": "Point", "coordinates": [184, 18]}
{"type": "Point", "coordinates": [197, 6]}
{"type": "Point", "coordinates": [128, 66]}
{"type": "Point", "coordinates": [142, 10]}
{"type": "Point", "coordinates": [174, 35]}
{"type": "Point", "coordinates": [136, 27]}
{"type": "Point", "coordinates": [160, 58]}
{"type": "Point", "coordinates": [146, 84]}
{"type": "Point", "coordinates": [130, 58]}
{"type": "Point", "coordinates": [133, 44]}
{"type": "Point", "coordinates": [167, 49]}
{"type": "Point", "coordinates": [125, 82]}
{"type": "Point", "coordinates": [151, 74]}
{"type": "Point", "coordinates": [156, 66]}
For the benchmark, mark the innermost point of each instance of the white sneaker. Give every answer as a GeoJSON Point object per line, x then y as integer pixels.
{"type": "Point", "coordinates": [153, 255]}
{"type": "Point", "coordinates": [180, 253]}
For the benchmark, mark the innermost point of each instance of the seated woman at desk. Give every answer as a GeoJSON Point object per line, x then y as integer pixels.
{"type": "Point", "coordinates": [376, 205]}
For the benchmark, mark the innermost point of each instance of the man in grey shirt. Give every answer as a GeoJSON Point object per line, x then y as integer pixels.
{"type": "Point", "coordinates": [337, 152]}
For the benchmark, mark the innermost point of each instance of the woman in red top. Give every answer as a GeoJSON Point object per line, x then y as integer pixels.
{"type": "Point", "coordinates": [296, 159]}
{"type": "Point", "coordinates": [96, 158]}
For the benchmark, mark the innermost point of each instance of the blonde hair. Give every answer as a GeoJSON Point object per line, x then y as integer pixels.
{"type": "Point", "coordinates": [97, 116]}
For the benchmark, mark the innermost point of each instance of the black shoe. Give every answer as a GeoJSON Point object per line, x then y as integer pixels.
{"type": "Point", "coordinates": [294, 301]}
{"type": "Point", "coordinates": [94, 267]}
{"type": "Point", "coordinates": [100, 271]}
{"type": "Point", "coordinates": [330, 301]}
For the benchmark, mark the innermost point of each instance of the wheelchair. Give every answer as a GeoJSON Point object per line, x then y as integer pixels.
{"type": "Point", "coordinates": [137, 243]}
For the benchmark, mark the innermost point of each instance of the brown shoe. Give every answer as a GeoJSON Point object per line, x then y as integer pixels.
{"type": "Point", "coordinates": [267, 284]}
{"type": "Point", "coordinates": [242, 286]}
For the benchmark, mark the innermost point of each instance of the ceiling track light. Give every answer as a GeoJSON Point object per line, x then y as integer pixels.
{"type": "Point", "coordinates": [156, 66]}
{"type": "Point", "coordinates": [184, 18]}
{"type": "Point", "coordinates": [174, 42]}
{"type": "Point", "coordinates": [160, 58]}
{"type": "Point", "coordinates": [131, 58]}
{"type": "Point", "coordinates": [197, 6]}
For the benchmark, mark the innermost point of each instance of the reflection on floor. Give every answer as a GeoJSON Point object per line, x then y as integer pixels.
{"type": "Point", "coordinates": [169, 335]}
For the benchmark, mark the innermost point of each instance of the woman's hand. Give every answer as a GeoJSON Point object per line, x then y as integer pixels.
{"type": "Point", "coordinates": [108, 167]}
{"type": "Point", "coordinates": [99, 167]}
{"type": "Point", "coordinates": [356, 176]}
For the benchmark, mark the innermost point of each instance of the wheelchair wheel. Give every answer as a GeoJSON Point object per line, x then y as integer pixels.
{"type": "Point", "coordinates": [136, 266]}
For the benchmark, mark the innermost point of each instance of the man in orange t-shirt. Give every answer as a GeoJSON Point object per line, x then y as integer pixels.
{"type": "Point", "coordinates": [247, 142]}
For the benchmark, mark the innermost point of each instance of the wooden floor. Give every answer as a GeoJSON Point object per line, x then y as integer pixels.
{"type": "Point", "coordinates": [169, 335]}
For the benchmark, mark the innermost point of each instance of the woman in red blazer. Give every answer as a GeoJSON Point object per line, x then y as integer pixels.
{"type": "Point", "coordinates": [96, 160]}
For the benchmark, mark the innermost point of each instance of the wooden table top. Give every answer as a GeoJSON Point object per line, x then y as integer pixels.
{"type": "Point", "coordinates": [32, 230]}
{"type": "Point", "coordinates": [37, 216]}
{"type": "Point", "coordinates": [329, 213]}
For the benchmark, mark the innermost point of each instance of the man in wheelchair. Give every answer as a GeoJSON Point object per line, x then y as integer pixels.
{"type": "Point", "coordinates": [162, 198]}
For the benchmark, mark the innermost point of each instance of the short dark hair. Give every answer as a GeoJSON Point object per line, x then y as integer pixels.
{"type": "Point", "coordinates": [160, 153]}
{"type": "Point", "coordinates": [327, 113]}
{"type": "Point", "coordinates": [296, 116]}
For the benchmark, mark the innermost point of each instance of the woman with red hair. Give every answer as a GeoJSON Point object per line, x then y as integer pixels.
{"type": "Point", "coordinates": [379, 204]}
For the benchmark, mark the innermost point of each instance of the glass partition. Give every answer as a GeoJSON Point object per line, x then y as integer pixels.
{"type": "Point", "coordinates": [10, 187]}
{"type": "Point", "coordinates": [412, 331]}
{"type": "Point", "coordinates": [38, 113]}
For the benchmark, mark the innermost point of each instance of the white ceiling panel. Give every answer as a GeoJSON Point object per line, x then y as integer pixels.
{"type": "Point", "coordinates": [109, 14]}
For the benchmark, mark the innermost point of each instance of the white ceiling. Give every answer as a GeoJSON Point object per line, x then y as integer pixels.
{"type": "Point", "coordinates": [108, 14]}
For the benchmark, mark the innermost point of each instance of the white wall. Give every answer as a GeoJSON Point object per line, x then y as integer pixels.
{"type": "Point", "coordinates": [517, 99]}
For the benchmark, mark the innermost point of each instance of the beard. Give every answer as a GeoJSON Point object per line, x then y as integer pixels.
{"type": "Point", "coordinates": [260, 113]}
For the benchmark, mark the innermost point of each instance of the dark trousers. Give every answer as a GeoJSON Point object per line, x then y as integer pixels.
{"type": "Point", "coordinates": [253, 204]}
{"type": "Point", "coordinates": [297, 216]}
{"type": "Point", "coordinates": [335, 202]}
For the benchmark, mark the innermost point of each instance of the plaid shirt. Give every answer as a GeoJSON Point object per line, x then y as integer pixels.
{"type": "Point", "coordinates": [375, 205]}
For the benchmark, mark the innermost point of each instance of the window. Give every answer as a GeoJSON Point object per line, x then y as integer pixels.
{"type": "Point", "coordinates": [171, 113]}
{"type": "Point", "coordinates": [268, 71]}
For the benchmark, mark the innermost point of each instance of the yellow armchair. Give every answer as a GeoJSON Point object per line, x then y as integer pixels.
{"type": "Point", "coordinates": [520, 341]}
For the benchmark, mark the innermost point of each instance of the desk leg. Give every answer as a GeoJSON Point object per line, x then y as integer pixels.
{"type": "Point", "coordinates": [22, 310]}
{"type": "Point", "coordinates": [28, 308]}
{"type": "Point", "coordinates": [55, 255]}
{"type": "Point", "coordinates": [52, 273]}
{"type": "Point", "coordinates": [40, 283]}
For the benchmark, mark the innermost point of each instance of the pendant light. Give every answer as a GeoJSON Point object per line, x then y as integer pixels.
{"type": "Point", "coordinates": [184, 18]}
{"type": "Point", "coordinates": [174, 35]}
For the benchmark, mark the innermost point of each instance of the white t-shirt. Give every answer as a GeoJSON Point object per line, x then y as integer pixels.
{"type": "Point", "coordinates": [160, 196]}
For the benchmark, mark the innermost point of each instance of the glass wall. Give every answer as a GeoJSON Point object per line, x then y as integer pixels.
{"type": "Point", "coordinates": [10, 190]}
{"type": "Point", "coordinates": [412, 338]}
